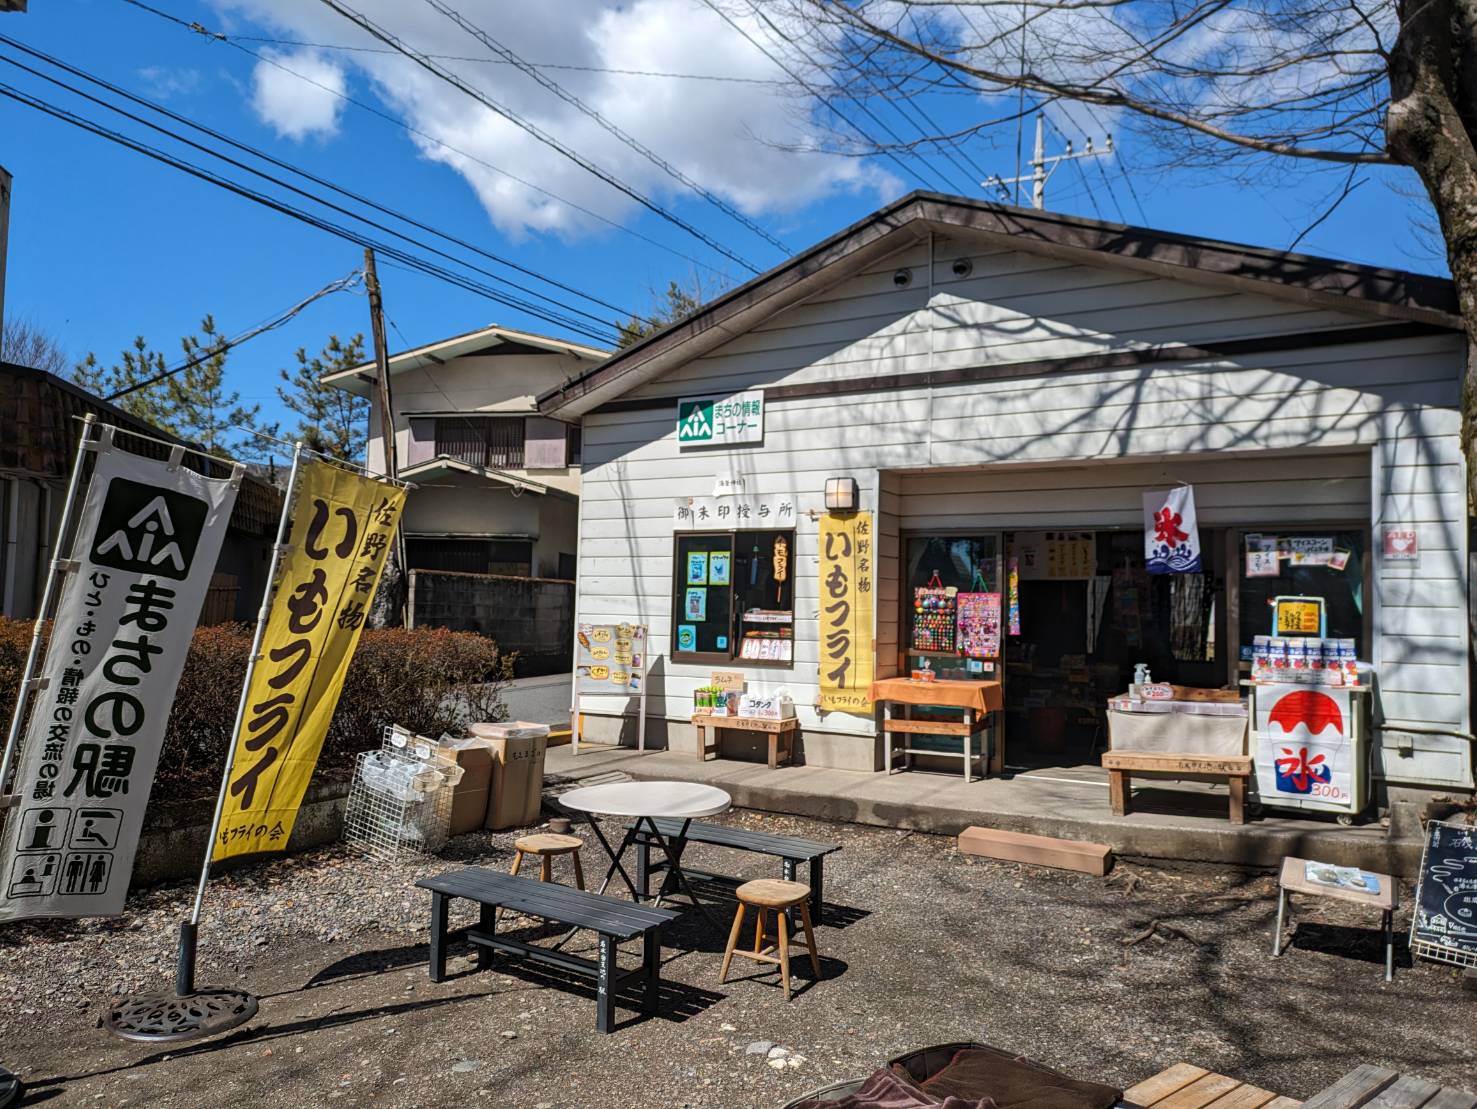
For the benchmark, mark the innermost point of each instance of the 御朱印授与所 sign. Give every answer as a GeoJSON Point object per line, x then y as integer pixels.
{"type": "Point", "coordinates": [721, 420]}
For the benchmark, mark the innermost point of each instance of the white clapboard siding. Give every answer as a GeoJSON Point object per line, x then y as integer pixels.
{"type": "Point", "coordinates": [1358, 432]}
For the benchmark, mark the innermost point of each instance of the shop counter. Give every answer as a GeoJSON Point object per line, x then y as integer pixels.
{"type": "Point", "coordinates": [980, 728]}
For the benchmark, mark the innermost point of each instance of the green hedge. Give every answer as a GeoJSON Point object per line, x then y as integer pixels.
{"type": "Point", "coordinates": [429, 679]}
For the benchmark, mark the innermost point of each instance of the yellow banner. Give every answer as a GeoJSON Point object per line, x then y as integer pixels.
{"type": "Point", "coordinates": [847, 657]}
{"type": "Point", "coordinates": [342, 528]}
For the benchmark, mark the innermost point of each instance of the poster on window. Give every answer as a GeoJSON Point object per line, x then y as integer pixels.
{"type": "Point", "coordinates": [610, 659]}
{"type": "Point", "coordinates": [1303, 745]}
{"type": "Point", "coordinates": [1171, 539]}
{"type": "Point", "coordinates": [847, 664]}
{"type": "Point", "coordinates": [146, 546]}
{"type": "Point", "coordinates": [979, 625]}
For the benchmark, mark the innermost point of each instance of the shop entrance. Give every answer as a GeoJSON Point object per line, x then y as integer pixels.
{"type": "Point", "coordinates": [1078, 613]}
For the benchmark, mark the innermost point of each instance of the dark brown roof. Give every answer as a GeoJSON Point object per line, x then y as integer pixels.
{"type": "Point", "coordinates": [1326, 282]}
{"type": "Point", "coordinates": [41, 414]}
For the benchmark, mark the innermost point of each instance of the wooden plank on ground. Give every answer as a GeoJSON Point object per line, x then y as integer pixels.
{"type": "Point", "coordinates": [1243, 1097]}
{"type": "Point", "coordinates": [1200, 1093]}
{"type": "Point", "coordinates": [1158, 1087]}
{"type": "Point", "coordinates": [1354, 1089]}
{"type": "Point", "coordinates": [1282, 1103]}
{"type": "Point", "coordinates": [1021, 847]}
{"type": "Point", "coordinates": [1409, 1091]}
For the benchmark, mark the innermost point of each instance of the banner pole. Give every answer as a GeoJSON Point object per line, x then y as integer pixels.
{"type": "Point", "coordinates": [48, 594]}
{"type": "Point", "coordinates": [185, 970]}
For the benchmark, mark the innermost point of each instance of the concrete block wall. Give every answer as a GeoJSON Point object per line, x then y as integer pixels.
{"type": "Point", "coordinates": [532, 616]}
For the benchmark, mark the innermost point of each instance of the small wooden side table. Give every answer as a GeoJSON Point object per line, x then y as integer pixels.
{"type": "Point", "coordinates": [1295, 880]}
{"type": "Point", "coordinates": [776, 730]}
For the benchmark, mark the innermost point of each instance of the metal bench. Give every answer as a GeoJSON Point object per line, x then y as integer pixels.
{"type": "Point", "coordinates": [791, 851]}
{"type": "Point", "coordinates": [611, 919]}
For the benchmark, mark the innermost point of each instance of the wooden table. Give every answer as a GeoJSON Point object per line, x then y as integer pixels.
{"type": "Point", "coordinates": [1184, 1086]}
{"type": "Point", "coordinates": [1294, 879]}
{"type": "Point", "coordinates": [976, 700]}
{"type": "Point", "coordinates": [776, 729]}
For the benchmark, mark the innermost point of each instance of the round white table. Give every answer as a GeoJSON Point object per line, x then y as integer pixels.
{"type": "Point", "coordinates": [647, 802]}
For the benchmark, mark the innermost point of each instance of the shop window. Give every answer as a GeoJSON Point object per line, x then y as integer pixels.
{"type": "Point", "coordinates": [1322, 563]}
{"type": "Point", "coordinates": [508, 557]}
{"type": "Point", "coordinates": [968, 564]}
{"type": "Point", "coordinates": [733, 597]}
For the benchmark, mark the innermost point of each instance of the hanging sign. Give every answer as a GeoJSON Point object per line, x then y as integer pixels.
{"type": "Point", "coordinates": [342, 526]}
{"type": "Point", "coordinates": [744, 512]}
{"type": "Point", "coordinates": [1171, 539]}
{"type": "Point", "coordinates": [847, 664]}
{"type": "Point", "coordinates": [146, 546]}
{"type": "Point", "coordinates": [610, 659]}
{"type": "Point", "coordinates": [1303, 745]}
{"type": "Point", "coordinates": [720, 420]}
{"type": "Point", "coordinates": [979, 625]}
{"type": "Point", "coordinates": [1262, 559]}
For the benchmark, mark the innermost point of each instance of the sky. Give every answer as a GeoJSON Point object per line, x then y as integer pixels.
{"type": "Point", "coordinates": [106, 245]}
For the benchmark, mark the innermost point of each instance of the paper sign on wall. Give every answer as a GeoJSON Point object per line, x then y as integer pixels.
{"type": "Point", "coordinates": [847, 662]}
{"type": "Point", "coordinates": [1303, 744]}
{"type": "Point", "coordinates": [610, 658]}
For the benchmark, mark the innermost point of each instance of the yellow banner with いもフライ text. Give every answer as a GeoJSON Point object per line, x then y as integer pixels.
{"type": "Point", "coordinates": [342, 527]}
{"type": "Point", "coordinates": [848, 660]}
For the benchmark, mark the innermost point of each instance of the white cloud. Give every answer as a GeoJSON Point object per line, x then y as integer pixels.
{"type": "Point", "coordinates": [717, 132]}
{"type": "Point", "coordinates": [163, 84]}
{"type": "Point", "coordinates": [293, 107]}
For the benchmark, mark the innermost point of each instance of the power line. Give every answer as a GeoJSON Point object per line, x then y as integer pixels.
{"type": "Point", "coordinates": [629, 140]}
{"type": "Point", "coordinates": [421, 265]}
{"type": "Point", "coordinates": [342, 284]}
{"type": "Point", "coordinates": [534, 130]}
{"type": "Point", "coordinates": [256, 152]}
{"type": "Point", "coordinates": [517, 302]}
{"type": "Point", "coordinates": [399, 124]}
{"type": "Point", "coordinates": [815, 93]}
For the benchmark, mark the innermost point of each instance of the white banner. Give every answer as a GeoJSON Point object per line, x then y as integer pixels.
{"type": "Point", "coordinates": [1303, 745]}
{"type": "Point", "coordinates": [1171, 537]}
{"type": "Point", "coordinates": [146, 546]}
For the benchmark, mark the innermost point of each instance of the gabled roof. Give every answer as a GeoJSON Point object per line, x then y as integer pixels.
{"type": "Point", "coordinates": [443, 465]}
{"type": "Point", "coordinates": [490, 341]}
{"type": "Point", "coordinates": [1324, 282]}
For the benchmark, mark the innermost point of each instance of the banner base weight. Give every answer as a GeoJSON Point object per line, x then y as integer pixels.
{"type": "Point", "coordinates": [167, 1017]}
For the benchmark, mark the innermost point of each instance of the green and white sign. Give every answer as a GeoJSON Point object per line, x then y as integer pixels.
{"type": "Point", "coordinates": [715, 421]}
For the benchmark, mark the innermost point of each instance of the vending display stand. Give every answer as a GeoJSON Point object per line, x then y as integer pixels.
{"type": "Point", "coordinates": [1311, 745]}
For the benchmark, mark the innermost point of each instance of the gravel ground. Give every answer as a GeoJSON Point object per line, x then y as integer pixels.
{"type": "Point", "coordinates": [1110, 978]}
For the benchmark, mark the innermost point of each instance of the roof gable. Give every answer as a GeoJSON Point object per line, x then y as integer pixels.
{"type": "Point", "coordinates": [1316, 282]}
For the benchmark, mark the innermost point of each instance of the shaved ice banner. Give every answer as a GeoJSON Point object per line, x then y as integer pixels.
{"type": "Point", "coordinates": [1303, 747]}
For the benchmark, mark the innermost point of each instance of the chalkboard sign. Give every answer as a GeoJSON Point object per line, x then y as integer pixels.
{"type": "Point", "coordinates": [1445, 923]}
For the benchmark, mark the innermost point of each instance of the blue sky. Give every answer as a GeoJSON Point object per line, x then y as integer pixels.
{"type": "Point", "coordinates": [106, 245]}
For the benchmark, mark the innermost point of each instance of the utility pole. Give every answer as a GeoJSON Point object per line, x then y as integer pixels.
{"type": "Point", "coordinates": [1042, 167]}
{"type": "Point", "coordinates": [397, 611]}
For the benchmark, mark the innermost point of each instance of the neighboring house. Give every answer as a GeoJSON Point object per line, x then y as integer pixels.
{"type": "Point", "coordinates": [41, 417]}
{"type": "Point", "coordinates": [1005, 386]}
{"type": "Point", "coordinates": [491, 520]}
{"type": "Point", "coordinates": [496, 484]}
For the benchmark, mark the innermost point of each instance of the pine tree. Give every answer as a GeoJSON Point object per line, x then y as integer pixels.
{"type": "Point", "coordinates": [330, 420]}
{"type": "Point", "coordinates": [674, 305]}
{"type": "Point", "coordinates": [193, 404]}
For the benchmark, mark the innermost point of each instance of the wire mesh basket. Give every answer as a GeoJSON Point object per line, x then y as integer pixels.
{"type": "Point", "coordinates": [400, 801]}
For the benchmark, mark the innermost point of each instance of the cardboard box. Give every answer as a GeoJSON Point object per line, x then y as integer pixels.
{"type": "Point", "coordinates": [517, 782]}
{"type": "Point", "coordinates": [469, 797]}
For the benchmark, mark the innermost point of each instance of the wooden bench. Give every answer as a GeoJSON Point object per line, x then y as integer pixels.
{"type": "Point", "coordinates": [791, 850]}
{"type": "Point", "coordinates": [1375, 1087]}
{"type": "Point", "coordinates": [708, 726]}
{"type": "Point", "coordinates": [613, 920]}
{"type": "Point", "coordinates": [1234, 770]}
{"type": "Point", "coordinates": [1184, 1086]}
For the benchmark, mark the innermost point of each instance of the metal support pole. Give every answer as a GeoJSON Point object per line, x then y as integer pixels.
{"type": "Point", "coordinates": [251, 660]}
{"type": "Point", "coordinates": [48, 595]}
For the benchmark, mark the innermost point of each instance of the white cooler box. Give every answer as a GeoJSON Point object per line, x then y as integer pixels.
{"type": "Point", "coordinates": [1177, 727]}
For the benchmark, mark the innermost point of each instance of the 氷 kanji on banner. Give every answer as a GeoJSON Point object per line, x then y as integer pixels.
{"type": "Point", "coordinates": [342, 528]}
{"type": "Point", "coordinates": [145, 549]}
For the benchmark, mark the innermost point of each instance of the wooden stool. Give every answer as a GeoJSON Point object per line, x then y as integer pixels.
{"type": "Point", "coordinates": [776, 896]}
{"type": "Point", "coordinates": [546, 845]}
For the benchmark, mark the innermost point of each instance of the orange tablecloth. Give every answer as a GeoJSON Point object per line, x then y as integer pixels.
{"type": "Point", "coordinates": [980, 696]}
